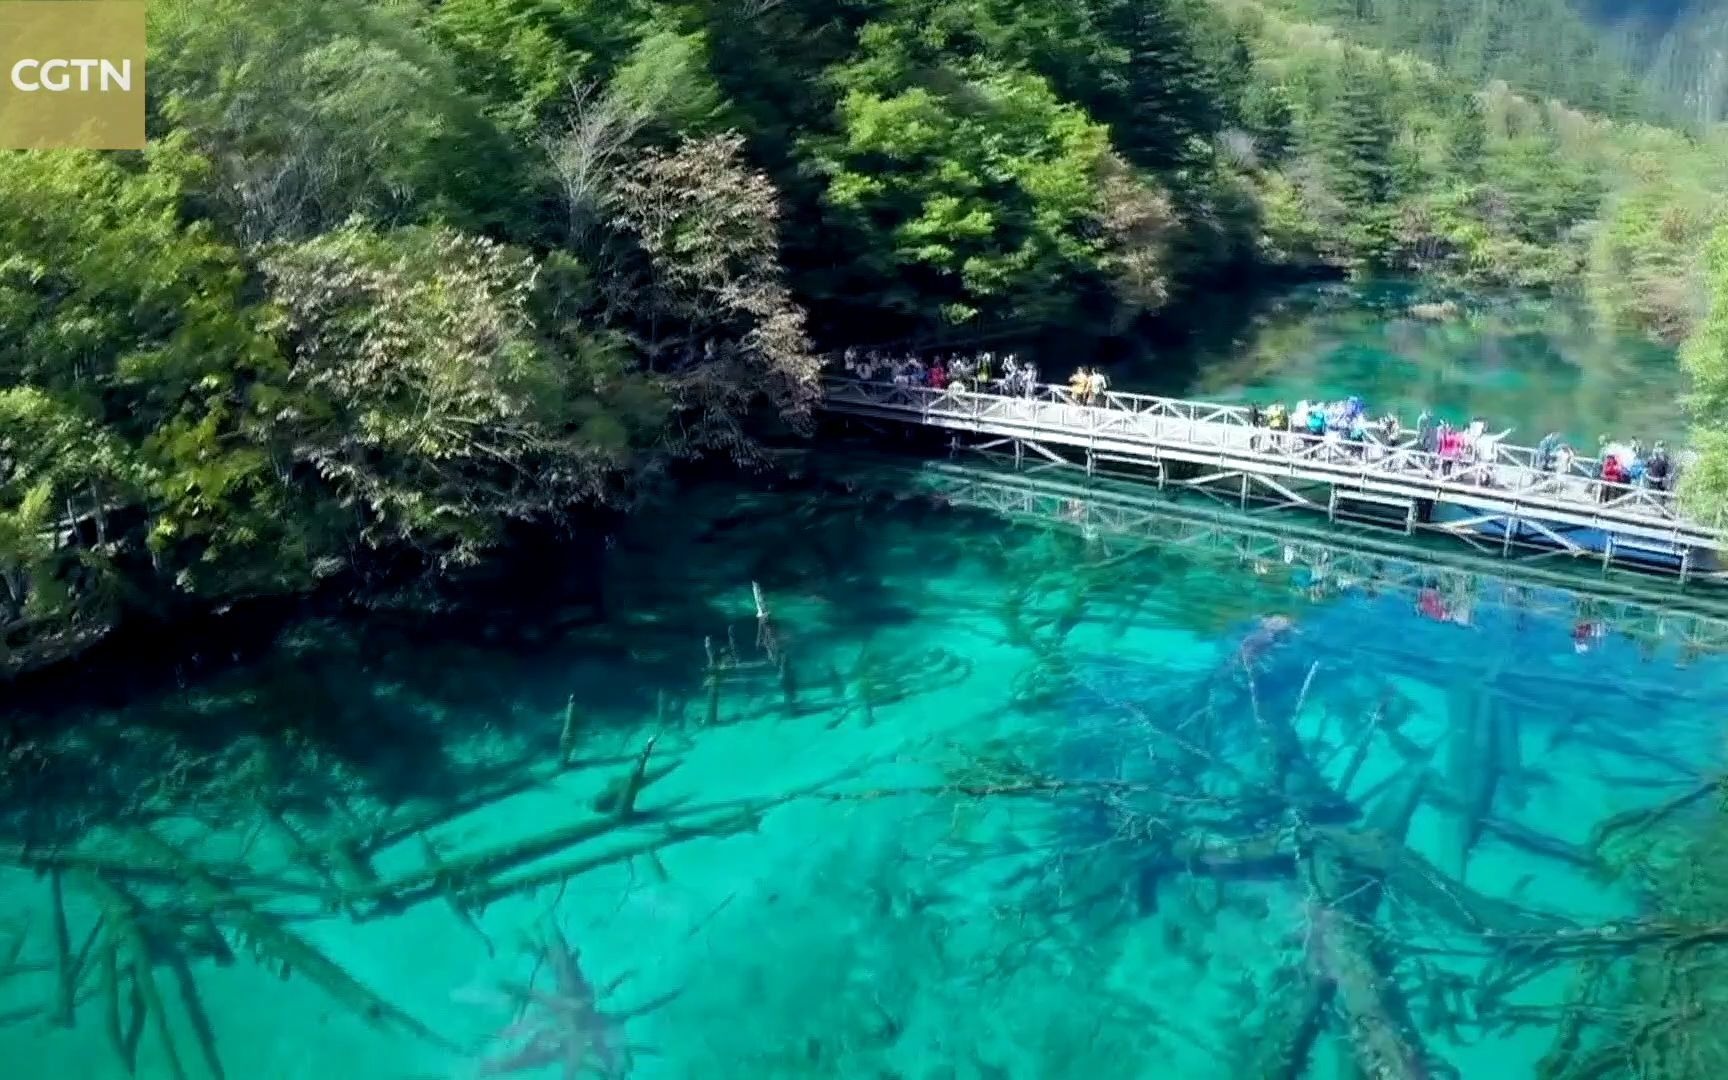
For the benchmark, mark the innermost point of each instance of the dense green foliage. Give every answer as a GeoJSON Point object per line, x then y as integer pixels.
{"type": "Point", "coordinates": [1545, 47]}
{"type": "Point", "coordinates": [1652, 59]}
{"type": "Point", "coordinates": [396, 278]}
{"type": "Point", "coordinates": [1706, 359]}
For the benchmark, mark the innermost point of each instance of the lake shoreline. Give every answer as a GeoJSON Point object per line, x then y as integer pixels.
{"type": "Point", "coordinates": [1270, 341]}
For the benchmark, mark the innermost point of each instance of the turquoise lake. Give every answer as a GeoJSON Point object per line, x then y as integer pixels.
{"type": "Point", "coordinates": [1533, 364]}
{"type": "Point", "coordinates": [849, 778]}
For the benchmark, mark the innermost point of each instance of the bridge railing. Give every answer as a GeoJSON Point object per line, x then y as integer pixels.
{"type": "Point", "coordinates": [1146, 417]}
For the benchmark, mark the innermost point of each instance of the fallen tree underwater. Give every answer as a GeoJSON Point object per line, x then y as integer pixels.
{"type": "Point", "coordinates": [1380, 914]}
{"type": "Point", "coordinates": [160, 906]}
{"type": "Point", "coordinates": [1227, 782]}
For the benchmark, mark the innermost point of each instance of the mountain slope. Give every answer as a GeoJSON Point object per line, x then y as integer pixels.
{"type": "Point", "coordinates": [1680, 48]}
{"type": "Point", "coordinates": [1545, 48]}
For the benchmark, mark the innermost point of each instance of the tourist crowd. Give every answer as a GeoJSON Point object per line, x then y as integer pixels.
{"type": "Point", "coordinates": [1468, 452]}
{"type": "Point", "coordinates": [983, 372]}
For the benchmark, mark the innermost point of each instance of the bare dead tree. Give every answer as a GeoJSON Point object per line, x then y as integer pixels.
{"type": "Point", "coordinates": [1139, 223]}
{"type": "Point", "coordinates": [586, 153]}
{"type": "Point", "coordinates": [714, 314]}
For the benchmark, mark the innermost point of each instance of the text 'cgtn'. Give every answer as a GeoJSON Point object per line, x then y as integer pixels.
{"type": "Point", "coordinates": [62, 76]}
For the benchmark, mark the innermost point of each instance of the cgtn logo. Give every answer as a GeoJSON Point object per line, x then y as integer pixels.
{"type": "Point", "coordinates": [56, 76]}
{"type": "Point", "coordinates": [72, 74]}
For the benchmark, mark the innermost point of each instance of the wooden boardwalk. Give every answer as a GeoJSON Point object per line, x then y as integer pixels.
{"type": "Point", "coordinates": [1500, 502]}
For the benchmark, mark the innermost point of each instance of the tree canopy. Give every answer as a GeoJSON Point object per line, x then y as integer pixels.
{"type": "Point", "coordinates": [395, 280]}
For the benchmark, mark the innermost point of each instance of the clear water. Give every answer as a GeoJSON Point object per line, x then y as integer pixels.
{"type": "Point", "coordinates": [1534, 364]}
{"type": "Point", "coordinates": [1022, 801]}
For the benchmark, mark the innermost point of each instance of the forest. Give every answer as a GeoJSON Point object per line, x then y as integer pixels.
{"type": "Point", "coordinates": [398, 281]}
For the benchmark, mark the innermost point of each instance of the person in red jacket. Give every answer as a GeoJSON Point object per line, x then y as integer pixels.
{"type": "Point", "coordinates": [1612, 473]}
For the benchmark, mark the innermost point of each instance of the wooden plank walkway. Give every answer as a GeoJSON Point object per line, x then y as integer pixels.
{"type": "Point", "coordinates": [1501, 500]}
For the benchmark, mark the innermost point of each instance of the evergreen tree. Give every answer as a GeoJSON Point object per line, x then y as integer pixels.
{"type": "Point", "coordinates": [1356, 134]}
{"type": "Point", "coordinates": [1543, 47]}
{"type": "Point", "coordinates": [1229, 61]}
{"type": "Point", "coordinates": [1269, 117]}
{"type": "Point", "coordinates": [1166, 96]}
{"type": "Point", "coordinates": [1466, 138]}
{"type": "Point", "coordinates": [1704, 486]}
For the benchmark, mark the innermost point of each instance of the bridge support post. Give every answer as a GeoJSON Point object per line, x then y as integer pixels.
{"type": "Point", "coordinates": [1019, 452]}
{"type": "Point", "coordinates": [1091, 461]}
{"type": "Point", "coordinates": [1244, 479]}
{"type": "Point", "coordinates": [1685, 564]}
{"type": "Point", "coordinates": [1332, 507]}
{"type": "Point", "coordinates": [1508, 526]}
{"type": "Point", "coordinates": [1608, 552]}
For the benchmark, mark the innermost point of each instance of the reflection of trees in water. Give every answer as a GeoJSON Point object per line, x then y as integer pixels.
{"type": "Point", "coordinates": [1571, 373]}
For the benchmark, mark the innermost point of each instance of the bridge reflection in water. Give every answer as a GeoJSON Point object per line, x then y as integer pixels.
{"type": "Point", "coordinates": [1502, 500]}
{"type": "Point", "coordinates": [1442, 582]}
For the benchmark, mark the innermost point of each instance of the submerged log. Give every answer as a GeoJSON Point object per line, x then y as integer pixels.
{"type": "Point", "coordinates": [1358, 754]}
{"type": "Point", "coordinates": [468, 874]}
{"type": "Point", "coordinates": [122, 913]}
{"type": "Point", "coordinates": [557, 874]}
{"type": "Point", "coordinates": [1398, 805]}
{"type": "Point", "coordinates": [193, 1005]}
{"type": "Point", "coordinates": [1383, 1041]}
{"type": "Point", "coordinates": [109, 980]}
{"type": "Point", "coordinates": [567, 734]}
{"type": "Point", "coordinates": [268, 937]}
{"type": "Point", "coordinates": [457, 873]}
{"type": "Point", "coordinates": [1644, 817]}
{"type": "Point", "coordinates": [1609, 740]}
{"type": "Point", "coordinates": [638, 779]}
{"type": "Point", "coordinates": [1278, 1048]}
{"type": "Point", "coordinates": [300, 849]}
{"type": "Point", "coordinates": [136, 1015]}
{"type": "Point", "coordinates": [66, 981]}
{"type": "Point", "coordinates": [131, 868]}
{"type": "Point", "coordinates": [1472, 773]}
{"type": "Point", "coordinates": [435, 864]}
{"type": "Point", "coordinates": [15, 948]}
{"type": "Point", "coordinates": [1289, 771]}
{"type": "Point", "coordinates": [1530, 840]}
{"type": "Point", "coordinates": [711, 716]}
{"type": "Point", "coordinates": [1274, 850]}
{"type": "Point", "coordinates": [620, 797]}
{"type": "Point", "coordinates": [1519, 835]}
{"type": "Point", "coordinates": [1562, 1055]}
{"type": "Point", "coordinates": [1509, 754]}
{"type": "Point", "coordinates": [1342, 966]}
{"type": "Point", "coordinates": [1410, 875]}
{"type": "Point", "coordinates": [486, 787]}
{"type": "Point", "coordinates": [353, 870]}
